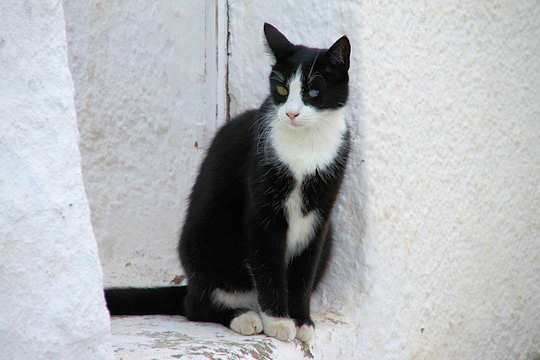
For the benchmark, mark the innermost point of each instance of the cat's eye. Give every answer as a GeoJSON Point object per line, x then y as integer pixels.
{"type": "Point", "coordinates": [281, 90]}
{"type": "Point", "coordinates": [313, 93]}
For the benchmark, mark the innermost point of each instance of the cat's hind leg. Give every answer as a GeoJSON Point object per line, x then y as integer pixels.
{"type": "Point", "coordinates": [247, 323]}
{"type": "Point", "coordinates": [246, 320]}
{"type": "Point", "coordinates": [243, 321]}
{"type": "Point", "coordinates": [233, 310]}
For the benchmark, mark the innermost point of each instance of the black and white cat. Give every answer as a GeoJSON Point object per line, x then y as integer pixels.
{"type": "Point", "coordinates": [257, 234]}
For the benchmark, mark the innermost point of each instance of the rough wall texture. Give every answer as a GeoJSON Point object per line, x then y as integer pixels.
{"type": "Point", "coordinates": [140, 83]}
{"type": "Point", "coordinates": [438, 253]}
{"type": "Point", "coordinates": [439, 231]}
{"type": "Point", "coordinates": [51, 302]}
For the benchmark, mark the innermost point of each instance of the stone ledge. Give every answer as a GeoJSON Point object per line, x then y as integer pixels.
{"type": "Point", "coordinates": [174, 337]}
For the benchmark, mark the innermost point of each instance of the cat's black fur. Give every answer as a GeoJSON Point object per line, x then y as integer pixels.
{"type": "Point", "coordinates": [234, 235]}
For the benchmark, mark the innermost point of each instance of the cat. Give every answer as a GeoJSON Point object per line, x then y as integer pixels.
{"type": "Point", "coordinates": [257, 235]}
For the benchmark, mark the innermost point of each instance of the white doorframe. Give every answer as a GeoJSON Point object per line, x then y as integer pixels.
{"type": "Point", "coordinates": [216, 57]}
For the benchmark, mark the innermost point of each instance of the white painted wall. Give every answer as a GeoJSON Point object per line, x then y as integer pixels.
{"type": "Point", "coordinates": [439, 228]}
{"type": "Point", "coordinates": [51, 300]}
{"type": "Point", "coordinates": [438, 253]}
{"type": "Point", "coordinates": [147, 94]}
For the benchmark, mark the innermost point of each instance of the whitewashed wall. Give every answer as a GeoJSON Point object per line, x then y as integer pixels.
{"type": "Point", "coordinates": [439, 228]}
{"type": "Point", "coordinates": [51, 299]}
{"type": "Point", "coordinates": [146, 90]}
{"type": "Point", "coordinates": [438, 253]}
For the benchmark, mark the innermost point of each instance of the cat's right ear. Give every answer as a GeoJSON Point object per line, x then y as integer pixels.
{"type": "Point", "coordinates": [277, 42]}
{"type": "Point", "coordinates": [338, 55]}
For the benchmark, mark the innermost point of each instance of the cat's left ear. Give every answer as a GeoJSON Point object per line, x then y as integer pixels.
{"type": "Point", "coordinates": [278, 43]}
{"type": "Point", "coordinates": [338, 55]}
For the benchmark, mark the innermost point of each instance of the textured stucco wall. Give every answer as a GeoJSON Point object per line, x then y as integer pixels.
{"type": "Point", "coordinates": [51, 300]}
{"type": "Point", "coordinates": [141, 95]}
{"type": "Point", "coordinates": [438, 253]}
{"type": "Point", "coordinates": [438, 226]}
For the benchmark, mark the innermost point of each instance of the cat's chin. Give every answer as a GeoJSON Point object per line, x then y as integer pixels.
{"type": "Point", "coordinates": [297, 125]}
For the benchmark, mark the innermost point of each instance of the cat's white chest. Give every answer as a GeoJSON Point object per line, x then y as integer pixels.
{"type": "Point", "coordinates": [301, 227]}
{"type": "Point", "coordinates": [304, 151]}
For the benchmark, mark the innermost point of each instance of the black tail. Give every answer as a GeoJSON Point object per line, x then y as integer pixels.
{"type": "Point", "coordinates": [146, 301]}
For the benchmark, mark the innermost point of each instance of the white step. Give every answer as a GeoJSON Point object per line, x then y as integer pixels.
{"type": "Point", "coordinates": [174, 337]}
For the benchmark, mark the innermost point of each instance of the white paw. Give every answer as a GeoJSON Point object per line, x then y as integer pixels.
{"type": "Point", "coordinates": [281, 328]}
{"type": "Point", "coordinates": [248, 323]}
{"type": "Point", "coordinates": [304, 333]}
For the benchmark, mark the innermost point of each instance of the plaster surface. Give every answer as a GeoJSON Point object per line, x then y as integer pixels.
{"type": "Point", "coordinates": [438, 227]}
{"type": "Point", "coordinates": [143, 104]}
{"type": "Point", "coordinates": [438, 236]}
{"type": "Point", "coordinates": [51, 300]}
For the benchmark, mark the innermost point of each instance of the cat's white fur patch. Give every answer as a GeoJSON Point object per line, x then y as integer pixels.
{"type": "Point", "coordinates": [294, 103]}
{"type": "Point", "coordinates": [236, 299]}
{"type": "Point", "coordinates": [304, 333]}
{"type": "Point", "coordinates": [248, 323]}
{"type": "Point", "coordinates": [301, 228]}
{"type": "Point", "coordinates": [282, 329]}
{"type": "Point", "coordinates": [312, 140]}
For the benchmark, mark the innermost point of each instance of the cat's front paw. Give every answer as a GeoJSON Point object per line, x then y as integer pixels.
{"type": "Point", "coordinates": [248, 323]}
{"type": "Point", "coordinates": [305, 333]}
{"type": "Point", "coordinates": [280, 328]}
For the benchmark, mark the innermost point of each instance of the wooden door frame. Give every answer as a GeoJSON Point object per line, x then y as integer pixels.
{"type": "Point", "coordinates": [216, 62]}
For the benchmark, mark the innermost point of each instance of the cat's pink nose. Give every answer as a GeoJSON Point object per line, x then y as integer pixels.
{"type": "Point", "coordinates": [292, 115]}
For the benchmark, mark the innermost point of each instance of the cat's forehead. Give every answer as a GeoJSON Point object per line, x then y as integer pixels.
{"type": "Point", "coordinates": [303, 58]}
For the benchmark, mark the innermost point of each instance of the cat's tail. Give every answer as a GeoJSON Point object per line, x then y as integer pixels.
{"type": "Point", "coordinates": [146, 301]}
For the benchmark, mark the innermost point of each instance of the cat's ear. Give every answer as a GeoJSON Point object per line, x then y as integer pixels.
{"type": "Point", "coordinates": [338, 55]}
{"type": "Point", "coordinates": [277, 42]}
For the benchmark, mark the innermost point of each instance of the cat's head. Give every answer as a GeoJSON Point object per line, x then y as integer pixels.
{"type": "Point", "coordinates": [307, 84]}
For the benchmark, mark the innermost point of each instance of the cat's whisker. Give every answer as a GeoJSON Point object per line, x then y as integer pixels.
{"type": "Point", "coordinates": [277, 75]}
{"type": "Point", "coordinates": [315, 75]}
{"type": "Point", "coordinates": [312, 65]}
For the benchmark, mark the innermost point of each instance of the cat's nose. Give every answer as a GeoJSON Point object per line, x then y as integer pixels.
{"type": "Point", "coordinates": [292, 115]}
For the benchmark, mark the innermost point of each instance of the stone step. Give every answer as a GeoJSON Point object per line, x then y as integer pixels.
{"type": "Point", "coordinates": [174, 337]}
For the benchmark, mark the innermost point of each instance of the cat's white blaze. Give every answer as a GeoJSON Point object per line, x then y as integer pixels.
{"type": "Point", "coordinates": [311, 142]}
{"type": "Point", "coordinates": [301, 227]}
{"type": "Point", "coordinates": [294, 101]}
{"type": "Point", "coordinates": [236, 299]}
